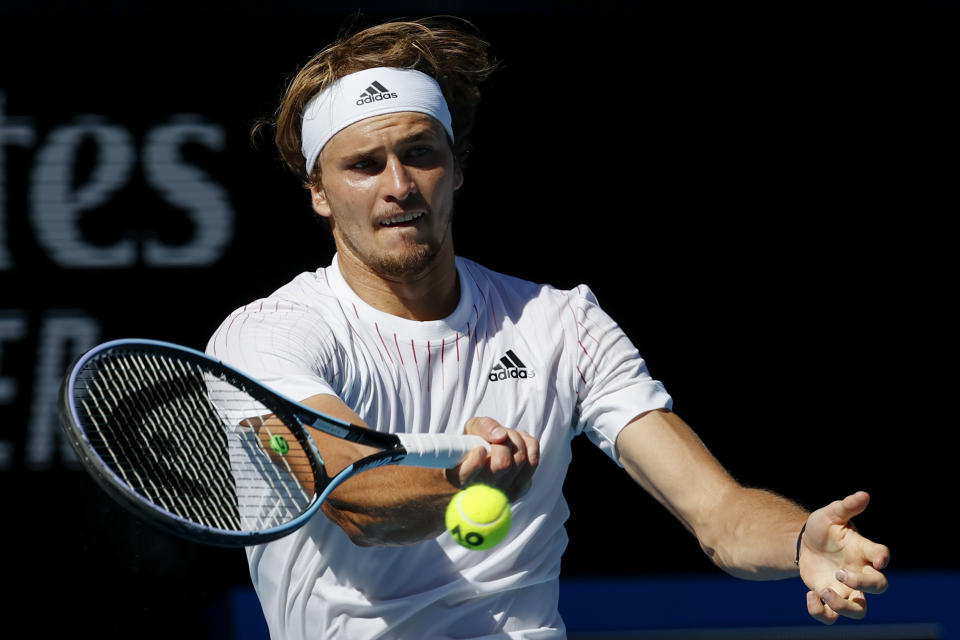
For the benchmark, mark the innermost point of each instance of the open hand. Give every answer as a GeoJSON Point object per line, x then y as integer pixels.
{"type": "Point", "coordinates": [838, 564]}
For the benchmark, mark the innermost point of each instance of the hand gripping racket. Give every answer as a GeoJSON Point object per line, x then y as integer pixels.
{"type": "Point", "coordinates": [202, 450]}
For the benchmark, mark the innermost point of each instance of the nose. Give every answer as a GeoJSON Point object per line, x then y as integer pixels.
{"type": "Point", "coordinates": [399, 182]}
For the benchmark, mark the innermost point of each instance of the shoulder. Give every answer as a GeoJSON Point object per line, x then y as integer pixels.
{"type": "Point", "coordinates": [303, 310]}
{"type": "Point", "coordinates": [544, 313]}
{"type": "Point", "coordinates": [307, 293]}
{"type": "Point", "coordinates": [309, 290]}
{"type": "Point", "coordinates": [486, 279]}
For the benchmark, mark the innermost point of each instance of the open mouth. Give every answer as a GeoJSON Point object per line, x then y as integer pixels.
{"type": "Point", "coordinates": [404, 218]}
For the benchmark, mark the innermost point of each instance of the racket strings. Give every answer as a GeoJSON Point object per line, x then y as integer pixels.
{"type": "Point", "coordinates": [272, 488]}
{"type": "Point", "coordinates": [215, 479]}
{"type": "Point", "coordinates": [200, 481]}
{"type": "Point", "coordinates": [173, 432]}
{"type": "Point", "coordinates": [163, 453]}
{"type": "Point", "coordinates": [291, 498]}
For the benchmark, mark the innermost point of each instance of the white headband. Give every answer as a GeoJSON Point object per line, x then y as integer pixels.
{"type": "Point", "coordinates": [367, 93]}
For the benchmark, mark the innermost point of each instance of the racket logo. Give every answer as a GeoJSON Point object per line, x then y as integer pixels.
{"type": "Point", "coordinates": [384, 460]}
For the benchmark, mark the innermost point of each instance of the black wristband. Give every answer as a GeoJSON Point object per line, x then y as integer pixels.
{"type": "Point", "coordinates": [799, 538]}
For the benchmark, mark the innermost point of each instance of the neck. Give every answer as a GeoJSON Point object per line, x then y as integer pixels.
{"type": "Point", "coordinates": [430, 294]}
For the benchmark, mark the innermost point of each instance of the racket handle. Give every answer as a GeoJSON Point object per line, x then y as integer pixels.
{"type": "Point", "coordinates": [438, 450]}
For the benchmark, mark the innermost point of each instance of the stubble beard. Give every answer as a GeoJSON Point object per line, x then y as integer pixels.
{"type": "Point", "coordinates": [412, 261]}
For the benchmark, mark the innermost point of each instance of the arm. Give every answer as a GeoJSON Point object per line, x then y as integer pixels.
{"type": "Point", "coordinates": [394, 505]}
{"type": "Point", "coordinates": [751, 533]}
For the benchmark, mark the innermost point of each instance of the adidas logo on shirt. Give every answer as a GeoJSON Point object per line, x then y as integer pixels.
{"type": "Point", "coordinates": [510, 366]}
{"type": "Point", "coordinates": [374, 93]}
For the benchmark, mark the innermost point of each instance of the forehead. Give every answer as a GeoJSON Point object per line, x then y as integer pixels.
{"type": "Point", "coordinates": [389, 128]}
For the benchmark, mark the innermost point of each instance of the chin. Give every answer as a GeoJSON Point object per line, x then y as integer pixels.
{"type": "Point", "coordinates": [408, 263]}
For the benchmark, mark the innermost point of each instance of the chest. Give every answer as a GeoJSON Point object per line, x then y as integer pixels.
{"type": "Point", "coordinates": [516, 375]}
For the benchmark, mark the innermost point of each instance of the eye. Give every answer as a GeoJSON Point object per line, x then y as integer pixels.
{"type": "Point", "coordinates": [364, 164]}
{"type": "Point", "coordinates": [418, 152]}
{"type": "Point", "coordinates": [421, 155]}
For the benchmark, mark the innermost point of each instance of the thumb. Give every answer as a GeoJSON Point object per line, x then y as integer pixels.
{"type": "Point", "coordinates": [842, 511]}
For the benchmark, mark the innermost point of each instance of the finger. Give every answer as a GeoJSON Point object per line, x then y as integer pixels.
{"type": "Point", "coordinates": [469, 468]}
{"type": "Point", "coordinates": [524, 478]}
{"type": "Point", "coordinates": [533, 449]}
{"type": "Point", "coordinates": [868, 579]}
{"type": "Point", "coordinates": [522, 444]}
{"type": "Point", "coordinates": [842, 511]}
{"type": "Point", "coordinates": [513, 454]}
{"type": "Point", "coordinates": [877, 554]}
{"type": "Point", "coordinates": [510, 461]}
{"type": "Point", "coordinates": [487, 428]}
{"type": "Point", "coordinates": [502, 457]}
{"type": "Point", "coordinates": [495, 457]}
{"type": "Point", "coordinates": [818, 611]}
{"type": "Point", "coordinates": [854, 606]}
{"type": "Point", "coordinates": [509, 470]}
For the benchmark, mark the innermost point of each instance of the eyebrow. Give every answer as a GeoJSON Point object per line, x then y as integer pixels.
{"type": "Point", "coordinates": [426, 133]}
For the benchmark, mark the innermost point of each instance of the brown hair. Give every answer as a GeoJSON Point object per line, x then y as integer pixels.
{"type": "Point", "coordinates": [457, 60]}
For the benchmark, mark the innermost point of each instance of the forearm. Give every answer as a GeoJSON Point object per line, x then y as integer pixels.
{"type": "Point", "coordinates": [391, 506]}
{"type": "Point", "coordinates": [749, 533]}
{"type": "Point", "coordinates": [385, 506]}
{"type": "Point", "coordinates": [752, 534]}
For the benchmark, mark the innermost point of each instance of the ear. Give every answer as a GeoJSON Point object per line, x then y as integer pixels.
{"type": "Point", "coordinates": [318, 198]}
{"type": "Point", "coordinates": [457, 176]}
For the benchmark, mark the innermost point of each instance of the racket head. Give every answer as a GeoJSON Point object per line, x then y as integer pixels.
{"type": "Point", "coordinates": [183, 441]}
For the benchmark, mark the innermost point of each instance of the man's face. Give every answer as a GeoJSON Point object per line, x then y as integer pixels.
{"type": "Point", "coordinates": [387, 189]}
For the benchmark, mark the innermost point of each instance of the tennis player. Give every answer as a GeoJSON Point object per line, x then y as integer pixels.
{"type": "Point", "coordinates": [400, 334]}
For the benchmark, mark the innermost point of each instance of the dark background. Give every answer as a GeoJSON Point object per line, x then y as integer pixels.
{"type": "Point", "coordinates": [761, 198]}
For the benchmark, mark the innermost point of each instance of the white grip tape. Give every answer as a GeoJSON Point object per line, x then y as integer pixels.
{"type": "Point", "coordinates": [438, 450]}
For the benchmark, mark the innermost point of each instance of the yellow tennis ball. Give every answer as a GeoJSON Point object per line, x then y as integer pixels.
{"type": "Point", "coordinates": [478, 517]}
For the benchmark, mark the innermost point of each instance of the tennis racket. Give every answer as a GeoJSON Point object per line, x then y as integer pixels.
{"type": "Point", "coordinates": [193, 445]}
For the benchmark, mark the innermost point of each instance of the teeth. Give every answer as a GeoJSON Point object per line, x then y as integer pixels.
{"type": "Point", "coordinates": [406, 217]}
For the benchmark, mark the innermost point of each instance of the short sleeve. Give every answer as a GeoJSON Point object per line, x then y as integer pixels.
{"type": "Point", "coordinates": [282, 345]}
{"type": "Point", "coordinates": [613, 385]}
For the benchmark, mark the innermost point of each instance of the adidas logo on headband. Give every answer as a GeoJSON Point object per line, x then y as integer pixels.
{"type": "Point", "coordinates": [374, 93]}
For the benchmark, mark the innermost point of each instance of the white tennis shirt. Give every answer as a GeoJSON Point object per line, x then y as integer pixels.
{"type": "Point", "coordinates": [535, 358]}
